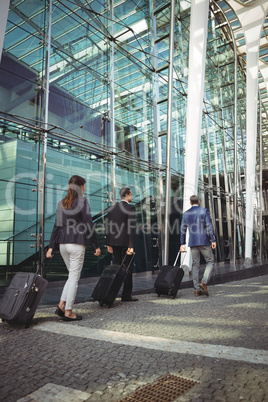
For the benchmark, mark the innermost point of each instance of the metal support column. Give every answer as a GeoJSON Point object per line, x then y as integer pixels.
{"type": "Point", "coordinates": [111, 111]}
{"type": "Point", "coordinates": [227, 192]}
{"type": "Point", "coordinates": [235, 147]}
{"type": "Point", "coordinates": [197, 58]}
{"type": "Point", "coordinates": [235, 160]}
{"type": "Point", "coordinates": [252, 30]}
{"type": "Point", "coordinates": [42, 183]}
{"type": "Point", "coordinates": [252, 98]}
{"type": "Point", "coordinates": [169, 132]}
{"type": "Point", "coordinates": [220, 248]}
{"type": "Point", "coordinates": [157, 128]}
{"type": "Point", "coordinates": [261, 150]}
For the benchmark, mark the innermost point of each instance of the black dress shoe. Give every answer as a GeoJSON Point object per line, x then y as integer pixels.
{"type": "Point", "coordinates": [77, 318]}
{"type": "Point", "coordinates": [59, 312]}
{"type": "Point", "coordinates": [129, 299]}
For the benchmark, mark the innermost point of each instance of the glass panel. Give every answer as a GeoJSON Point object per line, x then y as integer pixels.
{"type": "Point", "coordinates": [65, 159]}
{"type": "Point", "coordinates": [19, 173]}
{"type": "Point", "coordinates": [79, 70]}
{"type": "Point", "coordinates": [219, 133]}
{"type": "Point", "coordinates": [20, 73]}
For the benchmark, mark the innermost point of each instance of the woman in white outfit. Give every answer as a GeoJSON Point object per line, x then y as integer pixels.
{"type": "Point", "coordinates": [73, 231]}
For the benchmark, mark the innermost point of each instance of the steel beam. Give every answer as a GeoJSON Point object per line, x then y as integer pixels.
{"type": "Point", "coordinates": [169, 133]}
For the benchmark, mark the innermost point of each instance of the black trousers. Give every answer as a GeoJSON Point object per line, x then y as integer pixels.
{"type": "Point", "coordinates": [118, 255]}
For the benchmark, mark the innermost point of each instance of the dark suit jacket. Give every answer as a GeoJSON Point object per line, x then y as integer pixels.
{"type": "Point", "coordinates": [198, 221]}
{"type": "Point", "coordinates": [121, 225]}
{"type": "Point", "coordinates": [74, 225]}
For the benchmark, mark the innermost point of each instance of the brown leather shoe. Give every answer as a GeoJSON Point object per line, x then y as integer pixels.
{"type": "Point", "coordinates": [204, 288]}
{"type": "Point", "coordinates": [198, 293]}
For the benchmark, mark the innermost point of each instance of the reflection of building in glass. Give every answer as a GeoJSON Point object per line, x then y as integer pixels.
{"type": "Point", "coordinates": [107, 90]}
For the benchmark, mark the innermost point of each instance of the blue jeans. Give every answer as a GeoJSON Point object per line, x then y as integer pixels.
{"type": "Point", "coordinates": [206, 251]}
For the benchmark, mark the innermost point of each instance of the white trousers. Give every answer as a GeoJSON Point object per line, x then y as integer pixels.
{"type": "Point", "coordinates": [73, 255]}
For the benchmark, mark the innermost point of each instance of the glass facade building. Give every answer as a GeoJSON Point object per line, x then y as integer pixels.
{"type": "Point", "coordinates": [100, 88]}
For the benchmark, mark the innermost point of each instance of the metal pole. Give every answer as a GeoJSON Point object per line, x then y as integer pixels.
{"type": "Point", "coordinates": [260, 128]}
{"type": "Point", "coordinates": [111, 114]}
{"type": "Point", "coordinates": [169, 132]}
{"type": "Point", "coordinates": [235, 147]}
{"type": "Point", "coordinates": [195, 104]}
{"type": "Point", "coordinates": [156, 123]}
{"type": "Point", "coordinates": [42, 184]}
{"type": "Point", "coordinates": [235, 143]}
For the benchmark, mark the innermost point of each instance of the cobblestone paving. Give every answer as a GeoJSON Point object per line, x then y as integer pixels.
{"type": "Point", "coordinates": [235, 315]}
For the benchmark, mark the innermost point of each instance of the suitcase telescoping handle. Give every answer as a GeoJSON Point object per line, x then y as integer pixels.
{"type": "Point", "coordinates": [42, 269]}
{"type": "Point", "coordinates": [178, 257]}
{"type": "Point", "coordinates": [131, 259]}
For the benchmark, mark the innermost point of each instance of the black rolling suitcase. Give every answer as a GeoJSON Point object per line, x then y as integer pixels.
{"type": "Point", "coordinates": [169, 279]}
{"type": "Point", "coordinates": [22, 297]}
{"type": "Point", "coordinates": [110, 282]}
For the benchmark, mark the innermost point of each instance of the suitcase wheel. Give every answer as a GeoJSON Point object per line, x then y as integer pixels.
{"type": "Point", "coordinates": [158, 294]}
{"type": "Point", "coordinates": [101, 303]}
{"type": "Point", "coordinates": [27, 324]}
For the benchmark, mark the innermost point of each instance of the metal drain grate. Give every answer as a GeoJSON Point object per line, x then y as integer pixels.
{"type": "Point", "coordinates": [165, 389]}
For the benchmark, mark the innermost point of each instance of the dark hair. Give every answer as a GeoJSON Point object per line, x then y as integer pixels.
{"type": "Point", "coordinates": [194, 199]}
{"type": "Point", "coordinates": [75, 184]}
{"type": "Point", "coordinates": [124, 191]}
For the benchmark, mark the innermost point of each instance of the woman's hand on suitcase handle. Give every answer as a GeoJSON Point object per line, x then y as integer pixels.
{"type": "Point", "coordinates": [130, 251]}
{"type": "Point", "coordinates": [49, 253]}
{"type": "Point", "coordinates": [97, 252]}
{"type": "Point", "coordinates": [183, 248]}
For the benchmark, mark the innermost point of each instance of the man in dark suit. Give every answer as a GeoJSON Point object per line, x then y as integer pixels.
{"type": "Point", "coordinates": [201, 240]}
{"type": "Point", "coordinates": [120, 237]}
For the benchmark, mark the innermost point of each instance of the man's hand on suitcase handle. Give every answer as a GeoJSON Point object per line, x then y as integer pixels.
{"type": "Point", "coordinates": [183, 248]}
{"type": "Point", "coordinates": [129, 251]}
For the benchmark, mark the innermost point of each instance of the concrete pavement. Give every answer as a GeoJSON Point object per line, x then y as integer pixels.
{"type": "Point", "coordinates": [219, 341]}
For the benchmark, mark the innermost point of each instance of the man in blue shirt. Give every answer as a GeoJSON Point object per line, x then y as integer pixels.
{"type": "Point", "coordinates": [201, 240]}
